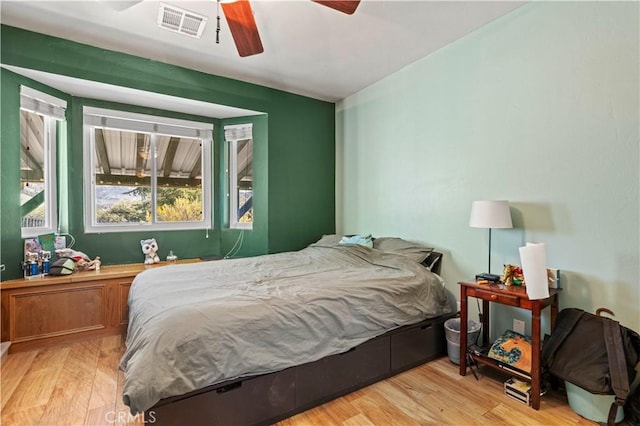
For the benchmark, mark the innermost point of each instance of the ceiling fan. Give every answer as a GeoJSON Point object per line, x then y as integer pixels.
{"type": "Point", "coordinates": [241, 22]}
{"type": "Point", "coordinates": [245, 31]}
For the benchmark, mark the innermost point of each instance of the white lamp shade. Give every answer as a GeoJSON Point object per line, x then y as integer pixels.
{"type": "Point", "coordinates": [490, 214]}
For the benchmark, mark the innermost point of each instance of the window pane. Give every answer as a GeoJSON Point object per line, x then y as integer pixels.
{"type": "Point", "coordinates": [122, 175]}
{"type": "Point", "coordinates": [148, 170]}
{"type": "Point", "coordinates": [179, 177]}
{"type": "Point", "coordinates": [244, 179]}
{"type": "Point", "coordinates": [32, 170]}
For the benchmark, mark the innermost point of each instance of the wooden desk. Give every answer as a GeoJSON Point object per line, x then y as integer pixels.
{"type": "Point", "coordinates": [512, 296]}
{"type": "Point", "coordinates": [50, 310]}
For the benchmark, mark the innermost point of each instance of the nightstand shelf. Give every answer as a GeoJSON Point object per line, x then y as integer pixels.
{"type": "Point", "coordinates": [511, 296]}
{"type": "Point", "coordinates": [496, 365]}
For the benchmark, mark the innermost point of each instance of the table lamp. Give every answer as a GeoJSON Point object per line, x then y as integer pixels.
{"type": "Point", "coordinates": [490, 214]}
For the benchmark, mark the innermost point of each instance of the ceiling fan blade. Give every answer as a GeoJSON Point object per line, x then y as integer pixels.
{"type": "Point", "coordinates": [243, 27]}
{"type": "Point", "coordinates": [344, 6]}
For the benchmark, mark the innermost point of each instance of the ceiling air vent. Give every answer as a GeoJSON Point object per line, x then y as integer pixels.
{"type": "Point", "coordinates": [181, 21]}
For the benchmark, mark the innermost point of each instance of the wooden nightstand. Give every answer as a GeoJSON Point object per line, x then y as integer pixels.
{"type": "Point", "coordinates": [512, 296]}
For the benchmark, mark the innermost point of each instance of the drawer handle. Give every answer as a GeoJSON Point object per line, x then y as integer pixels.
{"type": "Point", "coordinates": [493, 296]}
{"type": "Point", "coordinates": [228, 388]}
{"type": "Point", "coordinates": [424, 327]}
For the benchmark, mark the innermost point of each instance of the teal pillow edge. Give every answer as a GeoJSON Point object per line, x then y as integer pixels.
{"type": "Point", "coordinates": [362, 240]}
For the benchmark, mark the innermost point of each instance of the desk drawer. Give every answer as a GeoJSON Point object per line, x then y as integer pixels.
{"type": "Point", "coordinates": [505, 299]}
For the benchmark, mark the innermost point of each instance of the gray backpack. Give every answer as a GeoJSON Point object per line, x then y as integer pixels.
{"type": "Point", "coordinates": [593, 352]}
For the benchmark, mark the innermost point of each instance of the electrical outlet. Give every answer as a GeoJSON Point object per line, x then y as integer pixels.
{"type": "Point", "coordinates": [518, 326]}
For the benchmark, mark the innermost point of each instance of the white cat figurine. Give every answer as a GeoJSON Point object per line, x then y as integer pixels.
{"type": "Point", "coordinates": [150, 250]}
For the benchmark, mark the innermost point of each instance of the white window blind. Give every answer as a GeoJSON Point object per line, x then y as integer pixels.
{"type": "Point", "coordinates": [238, 132]}
{"type": "Point", "coordinates": [122, 120]}
{"type": "Point", "coordinates": [42, 103]}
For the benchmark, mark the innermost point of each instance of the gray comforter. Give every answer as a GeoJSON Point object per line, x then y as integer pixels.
{"type": "Point", "coordinates": [195, 325]}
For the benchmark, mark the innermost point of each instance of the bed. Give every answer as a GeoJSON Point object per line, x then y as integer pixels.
{"type": "Point", "coordinates": [255, 340]}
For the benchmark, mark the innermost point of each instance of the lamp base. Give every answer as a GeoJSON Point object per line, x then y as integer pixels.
{"type": "Point", "coordinates": [489, 277]}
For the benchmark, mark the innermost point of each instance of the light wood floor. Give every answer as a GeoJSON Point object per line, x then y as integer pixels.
{"type": "Point", "coordinates": [79, 384]}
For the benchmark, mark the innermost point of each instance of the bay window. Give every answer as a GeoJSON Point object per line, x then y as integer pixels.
{"type": "Point", "coordinates": [146, 172]}
{"type": "Point", "coordinates": [40, 114]}
{"type": "Point", "coordinates": [239, 140]}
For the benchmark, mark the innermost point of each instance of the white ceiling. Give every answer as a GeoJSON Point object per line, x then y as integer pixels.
{"type": "Point", "coordinates": [309, 49]}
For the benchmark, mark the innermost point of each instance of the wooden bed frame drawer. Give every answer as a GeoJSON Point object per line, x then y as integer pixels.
{"type": "Point", "coordinates": [307, 385]}
{"type": "Point", "coordinates": [243, 402]}
{"type": "Point", "coordinates": [339, 374]}
{"type": "Point", "coordinates": [415, 345]}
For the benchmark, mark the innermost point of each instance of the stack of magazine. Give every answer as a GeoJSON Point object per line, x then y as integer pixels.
{"type": "Point", "coordinates": [484, 353]}
{"type": "Point", "coordinates": [518, 390]}
{"type": "Point", "coordinates": [511, 369]}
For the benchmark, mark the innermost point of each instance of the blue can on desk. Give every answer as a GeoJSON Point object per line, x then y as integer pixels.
{"type": "Point", "coordinates": [34, 269]}
{"type": "Point", "coordinates": [46, 265]}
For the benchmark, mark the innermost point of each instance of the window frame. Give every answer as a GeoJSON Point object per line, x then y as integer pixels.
{"type": "Point", "coordinates": [53, 111]}
{"type": "Point", "coordinates": [154, 125]}
{"type": "Point", "coordinates": [234, 134]}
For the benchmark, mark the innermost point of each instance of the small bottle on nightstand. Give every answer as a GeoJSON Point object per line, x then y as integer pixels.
{"type": "Point", "coordinates": [171, 258]}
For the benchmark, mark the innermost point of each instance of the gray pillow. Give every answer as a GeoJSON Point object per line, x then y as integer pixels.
{"type": "Point", "coordinates": [415, 251]}
{"type": "Point", "coordinates": [329, 240]}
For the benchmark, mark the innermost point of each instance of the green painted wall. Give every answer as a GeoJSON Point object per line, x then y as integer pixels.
{"type": "Point", "coordinates": [294, 164]}
{"type": "Point", "coordinates": [10, 252]}
{"type": "Point", "coordinates": [540, 108]}
{"type": "Point", "coordinates": [292, 211]}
